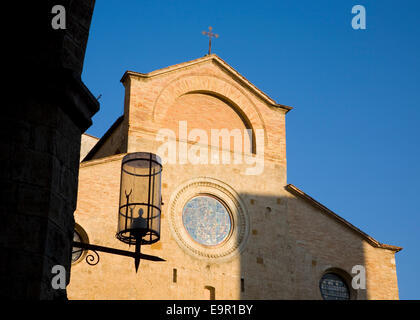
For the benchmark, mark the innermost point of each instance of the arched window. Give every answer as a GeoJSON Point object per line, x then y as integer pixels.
{"type": "Point", "coordinates": [334, 287]}
{"type": "Point", "coordinates": [79, 235]}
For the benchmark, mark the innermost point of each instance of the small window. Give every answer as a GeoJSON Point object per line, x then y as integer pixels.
{"type": "Point", "coordinates": [77, 252]}
{"type": "Point", "coordinates": [334, 287]}
{"type": "Point", "coordinates": [79, 235]}
{"type": "Point", "coordinates": [212, 291]}
{"type": "Point", "coordinates": [174, 276]}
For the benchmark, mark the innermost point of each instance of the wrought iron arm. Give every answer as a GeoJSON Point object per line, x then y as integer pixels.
{"type": "Point", "coordinates": [138, 255]}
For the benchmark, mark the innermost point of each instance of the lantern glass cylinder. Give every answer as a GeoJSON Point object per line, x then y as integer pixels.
{"type": "Point", "coordinates": [140, 199]}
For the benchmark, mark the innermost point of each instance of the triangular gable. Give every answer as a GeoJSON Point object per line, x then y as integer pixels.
{"type": "Point", "coordinates": [219, 62]}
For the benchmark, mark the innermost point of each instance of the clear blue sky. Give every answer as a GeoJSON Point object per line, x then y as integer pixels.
{"type": "Point", "coordinates": [353, 137]}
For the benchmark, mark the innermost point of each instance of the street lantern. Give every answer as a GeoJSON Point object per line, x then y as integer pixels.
{"type": "Point", "coordinates": [140, 200]}
{"type": "Point", "coordinates": [139, 210]}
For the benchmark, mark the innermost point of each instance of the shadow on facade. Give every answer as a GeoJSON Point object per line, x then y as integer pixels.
{"type": "Point", "coordinates": [291, 245]}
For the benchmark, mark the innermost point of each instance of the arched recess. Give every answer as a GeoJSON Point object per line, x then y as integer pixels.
{"type": "Point", "coordinates": [224, 90]}
{"type": "Point", "coordinates": [343, 275]}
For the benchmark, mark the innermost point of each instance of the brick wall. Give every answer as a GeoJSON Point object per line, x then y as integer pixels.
{"type": "Point", "coordinates": [289, 243]}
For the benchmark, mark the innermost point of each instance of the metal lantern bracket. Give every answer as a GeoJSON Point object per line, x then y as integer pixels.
{"type": "Point", "coordinates": [139, 210]}
{"type": "Point", "coordinates": [90, 259]}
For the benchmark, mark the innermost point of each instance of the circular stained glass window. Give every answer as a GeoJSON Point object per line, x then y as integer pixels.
{"type": "Point", "coordinates": [206, 220]}
{"type": "Point", "coordinates": [333, 287]}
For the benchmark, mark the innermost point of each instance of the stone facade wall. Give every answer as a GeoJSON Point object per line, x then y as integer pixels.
{"type": "Point", "coordinates": [86, 144]}
{"type": "Point", "coordinates": [115, 144]}
{"type": "Point", "coordinates": [290, 245]}
{"type": "Point", "coordinates": [207, 113]}
{"type": "Point", "coordinates": [327, 244]}
{"type": "Point", "coordinates": [285, 244]}
{"type": "Point", "coordinates": [150, 102]}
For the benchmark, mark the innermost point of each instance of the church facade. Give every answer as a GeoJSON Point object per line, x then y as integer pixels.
{"type": "Point", "coordinates": [232, 227]}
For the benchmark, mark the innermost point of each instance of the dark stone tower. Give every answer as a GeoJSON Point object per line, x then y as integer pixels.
{"type": "Point", "coordinates": [47, 109]}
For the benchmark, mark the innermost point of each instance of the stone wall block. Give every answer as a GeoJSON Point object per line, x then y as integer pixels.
{"type": "Point", "coordinates": [33, 200]}
{"type": "Point", "coordinates": [28, 232]}
{"type": "Point", "coordinates": [5, 162]}
{"type": "Point", "coordinates": [35, 171]}
{"type": "Point", "coordinates": [42, 139]}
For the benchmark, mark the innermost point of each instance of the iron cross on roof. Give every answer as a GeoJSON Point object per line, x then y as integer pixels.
{"type": "Point", "coordinates": [211, 35]}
